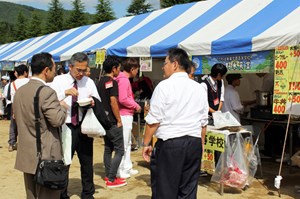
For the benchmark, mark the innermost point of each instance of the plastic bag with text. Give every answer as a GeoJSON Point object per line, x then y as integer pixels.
{"type": "Point", "coordinates": [91, 126]}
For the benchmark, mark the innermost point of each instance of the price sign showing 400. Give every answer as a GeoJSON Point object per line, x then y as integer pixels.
{"type": "Point", "coordinates": [279, 109]}
{"type": "Point", "coordinates": [281, 65]}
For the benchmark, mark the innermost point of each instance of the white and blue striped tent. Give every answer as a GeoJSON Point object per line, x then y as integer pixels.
{"type": "Point", "coordinates": [203, 28]}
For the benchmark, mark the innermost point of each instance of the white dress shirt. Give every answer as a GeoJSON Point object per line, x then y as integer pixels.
{"type": "Point", "coordinates": [18, 83]}
{"type": "Point", "coordinates": [232, 102]}
{"type": "Point", "coordinates": [180, 106]}
{"type": "Point", "coordinates": [214, 86]}
{"type": "Point", "coordinates": [5, 93]}
{"type": "Point", "coordinates": [86, 88]}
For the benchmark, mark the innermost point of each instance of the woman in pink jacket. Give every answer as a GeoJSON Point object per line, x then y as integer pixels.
{"type": "Point", "coordinates": [127, 107]}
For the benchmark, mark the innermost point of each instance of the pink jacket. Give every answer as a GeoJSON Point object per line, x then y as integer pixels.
{"type": "Point", "coordinates": [127, 105]}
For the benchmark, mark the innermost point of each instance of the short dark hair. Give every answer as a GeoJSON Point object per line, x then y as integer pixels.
{"type": "Point", "coordinates": [110, 62]}
{"type": "Point", "coordinates": [231, 77]}
{"type": "Point", "coordinates": [79, 57]}
{"type": "Point", "coordinates": [12, 76]}
{"type": "Point", "coordinates": [192, 65]}
{"type": "Point", "coordinates": [218, 68]}
{"type": "Point", "coordinates": [179, 55]}
{"type": "Point", "coordinates": [40, 61]}
{"type": "Point", "coordinates": [130, 63]}
{"type": "Point", "coordinates": [21, 69]}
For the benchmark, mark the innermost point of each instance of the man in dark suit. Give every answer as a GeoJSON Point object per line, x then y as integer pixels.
{"type": "Point", "coordinates": [53, 115]}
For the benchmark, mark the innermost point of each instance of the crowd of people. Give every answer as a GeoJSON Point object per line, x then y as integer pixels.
{"type": "Point", "coordinates": [180, 110]}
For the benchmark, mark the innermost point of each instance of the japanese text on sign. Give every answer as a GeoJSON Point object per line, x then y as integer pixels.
{"type": "Point", "coordinates": [286, 78]}
{"type": "Point", "coordinates": [215, 141]}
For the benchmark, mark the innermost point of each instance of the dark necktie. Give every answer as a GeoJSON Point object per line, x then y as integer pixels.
{"type": "Point", "coordinates": [74, 108]}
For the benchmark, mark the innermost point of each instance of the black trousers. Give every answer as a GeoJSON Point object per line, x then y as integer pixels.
{"type": "Point", "coordinates": [175, 167]}
{"type": "Point", "coordinates": [113, 142]}
{"type": "Point", "coordinates": [83, 145]}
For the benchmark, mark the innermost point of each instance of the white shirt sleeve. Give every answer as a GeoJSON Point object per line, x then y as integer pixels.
{"type": "Point", "coordinates": [155, 113]}
{"type": "Point", "coordinates": [94, 91]}
{"type": "Point", "coordinates": [56, 85]}
{"type": "Point", "coordinates": [236, 103]}
{"type": "Point", "coordinates": [222, 91]}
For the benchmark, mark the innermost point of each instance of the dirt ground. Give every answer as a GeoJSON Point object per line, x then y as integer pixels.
{"type": "Point", "coordinates": [12, 186]}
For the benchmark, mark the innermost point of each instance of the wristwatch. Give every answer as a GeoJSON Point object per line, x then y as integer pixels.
{"type": "Point", "coordinates": [145, 145]}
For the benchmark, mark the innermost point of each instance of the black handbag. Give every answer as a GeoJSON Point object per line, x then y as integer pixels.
{"type": "Point", "coordinates": [52, 174]}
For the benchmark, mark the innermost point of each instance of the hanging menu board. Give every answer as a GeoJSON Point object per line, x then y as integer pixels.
{"type": "Point", "coordinates": [286, 79]}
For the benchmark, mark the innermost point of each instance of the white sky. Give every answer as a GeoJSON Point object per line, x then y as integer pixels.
{"type": "Point", "coordinates": [119, 6]}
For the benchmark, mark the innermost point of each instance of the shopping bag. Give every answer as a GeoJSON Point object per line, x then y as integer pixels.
{"type": "Point", "coordinates": [224, 119]}
{"type": "Point", "coordinates": [91, 126]}
{"type": "Point", "coordinates": [231, 169]}
{"type": "Point", "coordinates": [66, 137]}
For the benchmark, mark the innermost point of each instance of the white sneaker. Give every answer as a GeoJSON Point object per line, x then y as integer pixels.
{"type": "Point", "coordinates": [123, 174]}
{"type": "Point", "coordinates": [133, 172]}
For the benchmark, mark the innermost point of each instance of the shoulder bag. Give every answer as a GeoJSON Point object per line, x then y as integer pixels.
{"type": "Point", "coordinates": [52, 174]}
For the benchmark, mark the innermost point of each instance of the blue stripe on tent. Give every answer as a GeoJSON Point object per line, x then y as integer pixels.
{"type": "Point", "coordinates": [3, 46]}
{"type": "Point", "coordinates": [123, 29]}
{"type": "Point", "coordinates": [267, 17]}
{"type": "Point", "coordinates": [10, 45]}
{"type": "Point", "coordinates": [160, 49]}
{"type": "Point", "coordinates": [120, 48]}
{"type": "Point", "coordinates": [84, 38]}
{"type": "Point", "coordinates": [65, 39]}
{"type": "Point", "coordinates": [37, 50]}
{"type": "Point", "coordinates": [15, 48]}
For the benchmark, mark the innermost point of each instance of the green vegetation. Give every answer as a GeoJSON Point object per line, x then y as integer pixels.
{"type": "Point", "coordinates": [33, 21]}
{"type": "Point", "coordinates": [19, 22]}
{"type": "Point", "coordinates": [168, 3]}
{"type": "Point", "coordinates": [139, 7]}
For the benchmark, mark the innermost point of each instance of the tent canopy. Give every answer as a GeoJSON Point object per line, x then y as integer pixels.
{"type": "Point", "coordinates": [203, 28]}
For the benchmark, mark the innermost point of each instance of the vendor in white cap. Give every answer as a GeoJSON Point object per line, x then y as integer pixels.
{"type": "Point", "coordinates": [232, 101]}
{"type": "Point", "coordinates": [4, 81]}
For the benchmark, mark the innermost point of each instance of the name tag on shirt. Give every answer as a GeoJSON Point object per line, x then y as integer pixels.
{"type": "Point", "coordinates": [216, 101]}
{"type": "Point", "coordinates": [108, 84]}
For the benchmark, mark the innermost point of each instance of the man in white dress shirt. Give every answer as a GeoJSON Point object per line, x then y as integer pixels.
{"type": "Point", "coordinates": [232, 101]}
{"type": "Point", "coordinates": [71, 87]}
{"type": "Point", "coordinates": [21, 72]}
{"type": "Point", "coordinates": [178, 117]}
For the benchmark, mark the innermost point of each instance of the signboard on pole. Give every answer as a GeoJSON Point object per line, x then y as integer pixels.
{"type": "Point", "coordinates": [286, 80]}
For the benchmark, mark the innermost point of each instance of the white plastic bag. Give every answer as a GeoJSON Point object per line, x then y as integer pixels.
{"type": "Point", "coordinates": [66, 137]}
{"type": "Point", "coordinates": [224, 119]}
{"type": "Point", "coordinates": [91, 126]}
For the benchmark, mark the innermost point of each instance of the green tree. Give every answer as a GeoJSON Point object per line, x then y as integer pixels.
{"type": "Point", "coordinates": [34, 27]}
{"type": "Point", "coordinates": [168, 3]}
{"type": "Point", "coordinates": [6, 30]}
{"type": "Point", "coordinates": [20, 27]}
{"type": "Point", "coordinates": [77, 17]}
{"type": "Point", "coordinates": [138, 7]}
{"type": "Point", "coordinates": [104, 11]}
{"type": "Point", "coordinates": [55, 19]}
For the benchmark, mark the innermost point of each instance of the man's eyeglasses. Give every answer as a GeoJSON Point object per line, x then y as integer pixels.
{"type": "Point", "coordinates": [81, 70]}
{"type": "Point", "coordinates": [165, 63]}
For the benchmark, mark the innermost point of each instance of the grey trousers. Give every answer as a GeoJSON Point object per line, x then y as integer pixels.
{"type": "Point", "coordinates": [13, 132]}
{"type": "Point", "coordinates": [34, 191]}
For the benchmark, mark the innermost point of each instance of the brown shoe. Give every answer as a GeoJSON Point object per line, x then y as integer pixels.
{"type": "Point", "coordinates": [11, 148]}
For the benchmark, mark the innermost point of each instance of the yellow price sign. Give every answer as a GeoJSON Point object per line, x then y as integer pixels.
{"type": "Point", "coordinates": [215, 141]}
